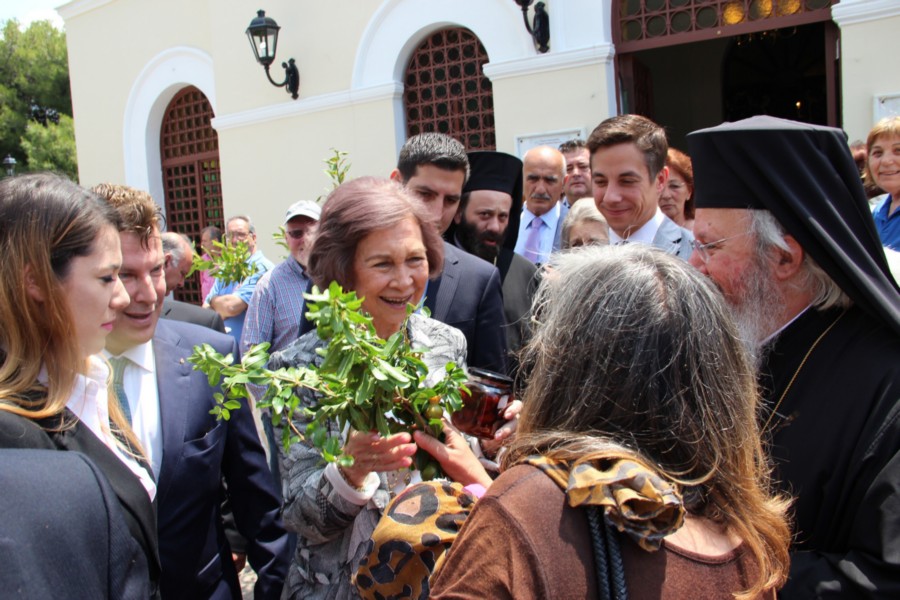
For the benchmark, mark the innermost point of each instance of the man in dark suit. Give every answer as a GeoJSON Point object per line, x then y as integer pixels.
{"type": "Point", "coordinates": [177, 252]}
{"type": "Point", "coordinates": [176, 310]}
{"type": "Point", "coordinates": [467, 295]}
{"type": "Point", "coordinates": [191, 452]}
{"type": "Point", "coordinates": [491, 198]}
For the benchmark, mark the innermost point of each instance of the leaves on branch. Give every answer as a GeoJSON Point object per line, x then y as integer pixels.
{"type": "Point", "coordinates": [231, 264]}
{"type": "Point", "coordinates": [363, 381]}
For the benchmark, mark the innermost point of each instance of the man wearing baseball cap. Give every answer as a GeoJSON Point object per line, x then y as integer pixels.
{"type": "Point", "coordinates": [276, 308]}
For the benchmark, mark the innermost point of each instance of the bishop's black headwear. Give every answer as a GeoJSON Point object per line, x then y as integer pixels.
{"type": "Point", "coordinates": [805, 176]}
{"type": "Point", "coordinates": [499, 172]}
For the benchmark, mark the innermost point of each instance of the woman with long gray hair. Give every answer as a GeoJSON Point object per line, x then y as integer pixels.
{"type": "Point", "coordinates": [638, 453]}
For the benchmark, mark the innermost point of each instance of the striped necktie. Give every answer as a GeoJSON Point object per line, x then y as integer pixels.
{"type": "Point", "coordinates": [118, 365]}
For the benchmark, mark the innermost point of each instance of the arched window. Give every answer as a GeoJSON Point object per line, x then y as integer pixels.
{"type": "Point", "coordinates": [191, 173]}
{"type": "Point", "coordinates": [446, 90]}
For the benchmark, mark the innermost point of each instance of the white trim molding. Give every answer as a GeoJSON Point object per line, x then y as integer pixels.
{"type": "Point", "coordinates": [596, 55]}
{"type": "Point", "coordinates": [851, 12]}
{"type": "Point", "coordinates": [154, 87]}
{"type": "Point", "coordinates": [305, 106]}
{"type": "Point", "coordinates": [77, 8]}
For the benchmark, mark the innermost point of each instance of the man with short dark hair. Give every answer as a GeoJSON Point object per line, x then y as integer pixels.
{"type": "Point", "coordinates": [231, 300]}
{"type": "Point", "coordinates": [783, 230]}
{"type": "Point", "coordinates": [190, 451]}
{"type": "Point", "coordinates": [485, 226]}
{"type": "Point", "coordinates": [577, 184]}
{"type": "Point", "coordinates": [629, 173]}
{"type": "Point", "coordinates": [467, 295]}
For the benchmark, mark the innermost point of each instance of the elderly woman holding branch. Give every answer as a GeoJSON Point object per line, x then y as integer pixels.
{"type": "Point", "coordinates": [378, 241]}
{"type": "Point", "coordinates": [637, 459]}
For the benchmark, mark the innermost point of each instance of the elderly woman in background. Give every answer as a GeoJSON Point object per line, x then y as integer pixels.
{"type": "Point", "coordinates": [645, 425]}
{"type": "Point", "coordinates": [883, 168]}
{"type": "Point", "coordinates": [379, 241]}
{"type": "Point", "coordinates": [59, 294]}
{"type": "Point", "coordinates": [677, 198]}
{"type": "Point", "coordinates": [584, 225]}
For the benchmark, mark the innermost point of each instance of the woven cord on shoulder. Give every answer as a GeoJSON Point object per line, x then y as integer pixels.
{"type": "Point", "coordinates": [598, 540]}
{"type": "Point", "coordinates": [607, 557]}
{"type": "Point", "coordinates": [616, 566]}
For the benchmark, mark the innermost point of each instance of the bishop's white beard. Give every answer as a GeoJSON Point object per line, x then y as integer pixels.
{"type": "Point", "coordinates": [758, 312]}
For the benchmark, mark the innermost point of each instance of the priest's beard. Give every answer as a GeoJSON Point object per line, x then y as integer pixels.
{"type": "Point", "coordinates": [757, 312]}
{"type": "Point", "coordinates": [473, 241]}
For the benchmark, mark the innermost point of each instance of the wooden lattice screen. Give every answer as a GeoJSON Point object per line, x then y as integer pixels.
{"type": "Point", "coordinates": [446, 90]}
{"type": "Point", "coordinates": [646, 24]}
{"type": "Point", "coordinates": [191, 177]}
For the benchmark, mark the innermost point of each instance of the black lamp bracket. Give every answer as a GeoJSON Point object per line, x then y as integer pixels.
{"type": "Point", "coordinates": [291, 78]}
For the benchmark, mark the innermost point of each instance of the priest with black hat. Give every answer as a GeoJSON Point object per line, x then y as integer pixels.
{"type": "Point", "coordinates": [487, 225]}
{"type": "Point", "coordinates": [783, 228]}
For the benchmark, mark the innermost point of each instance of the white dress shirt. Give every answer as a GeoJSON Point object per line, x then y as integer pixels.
{"type": "Point", "coordinates": [89, 401]}
{"type": "Point", "coordinates": [644, 235]}
{"type": "Point", "coordinates": [139, 382]}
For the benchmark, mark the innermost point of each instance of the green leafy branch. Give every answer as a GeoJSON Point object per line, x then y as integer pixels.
{"type": "Point", "coordinates": [363, 381]}
{"type": "Point", "coordinates": [230, 263]}
{"type": "Point", "coordinates": [337, 168]}
{"type": "Point", "coordinates": [280, 239]}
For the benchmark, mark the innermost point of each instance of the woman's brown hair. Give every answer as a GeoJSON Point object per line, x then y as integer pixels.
{"type": "Point", "coordinates": [353, 211]}
{"type": "Point", "coordinates": [653, 365]}
{"type": "Point", "coordinates": [681, 164]}
{"type": "Point", "coordinates": [46, 222]}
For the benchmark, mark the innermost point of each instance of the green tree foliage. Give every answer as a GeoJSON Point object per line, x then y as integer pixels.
{"type": "Point", "coordinates": [34, 89]}
{"type": "Point", "coordinates": [51, 147]}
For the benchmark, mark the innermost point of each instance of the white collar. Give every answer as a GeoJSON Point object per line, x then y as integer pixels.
{"type": "Point", "coordinates": [141, 355]}
{"type": "Point", "coordinates": [645, 234]}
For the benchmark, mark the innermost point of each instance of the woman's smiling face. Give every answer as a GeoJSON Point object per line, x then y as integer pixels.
{"type": "Point", "coordinates": [884, 163]}
{"type": "Point", "coordinates": [390, 270]}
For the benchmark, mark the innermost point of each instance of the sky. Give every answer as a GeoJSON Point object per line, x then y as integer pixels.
{"type": "Point", "coordinates": [26, 11]}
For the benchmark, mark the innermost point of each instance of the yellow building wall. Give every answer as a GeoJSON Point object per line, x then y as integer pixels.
{"type": "Point", "coordinates": [559, 99]}
{"type": "Point", "coordinates": [108, 49]}
{"type": "Point", "coordinates": [272, 147]}
{"type": "Point", "coordinates": [869, 68]}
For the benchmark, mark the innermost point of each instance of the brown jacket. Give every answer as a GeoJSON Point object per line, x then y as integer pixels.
{"type": "Point", "coordinates": [523, 541]}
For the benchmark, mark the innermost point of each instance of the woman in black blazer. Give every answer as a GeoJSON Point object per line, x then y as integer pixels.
{"type": "Point", "coordinates": [59, 293]}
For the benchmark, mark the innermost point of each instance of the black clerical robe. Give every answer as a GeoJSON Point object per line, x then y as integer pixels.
{"type": "Point", "coordinates": [835, 439]}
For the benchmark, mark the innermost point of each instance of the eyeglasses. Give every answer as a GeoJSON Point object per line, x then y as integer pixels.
{"type": "Point", "coordinates": [702, 250]}
{"type": "Point", "coordinates": [298, 234]}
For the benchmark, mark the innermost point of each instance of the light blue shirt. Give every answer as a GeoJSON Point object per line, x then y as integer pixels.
{"type": "Point", "coordinates": [888, 225]}
{"type": "Point", "coordinates": [548, 238]}
{"type": "Point", "coordinates": [243, 290]}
